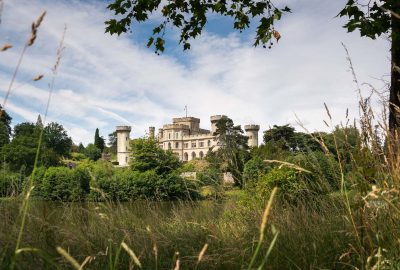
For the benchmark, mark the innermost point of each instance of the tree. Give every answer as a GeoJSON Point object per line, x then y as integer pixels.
{"type": "Point", "coordinates": [39, 122]}
{"type": "Point", "coordinates": [5, 119]}
{"type": "Point", "coordinates": [5, 128]}
{"type": "Point", "coordinates": [233, 147]}
{"type": "Point", "coordinates": [190, 17]}
{"type": "Point", "coordinates": [99, 141]}
{"type": "Point", "coordinates": [112, 142]}
{"type": "Point", "coordinates": [287, 139]}
{"type": "Point", "coordinates": [21, 151]}
{"type": "Point", "coordinates": [374, 19]}
{"type": "Point", "coordinates": [56, 138]}
{"type": "Point", "coordinates": [81, 148]}
{"type": "Point", "coordinates": [147, 155]}
{"type": "Point", "coordinates": [92, 152]}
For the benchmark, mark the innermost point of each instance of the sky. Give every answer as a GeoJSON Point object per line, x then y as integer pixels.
{"type": "Point", "coordinates": [104, 81]}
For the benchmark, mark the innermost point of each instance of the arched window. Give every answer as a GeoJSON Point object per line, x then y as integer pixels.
{"type": "Point", "coordinates": [176, 144]}
{"type": "Point", "coordinates": [169, 145]}
{"type": "Point", "coordinates": [193, 155]}
{"type": "Point", "coordinates": [209, 143]}
{"type": "Point", "coordinates": [201, 154]}
{"type": "Point", "coordinates": [185, 157]}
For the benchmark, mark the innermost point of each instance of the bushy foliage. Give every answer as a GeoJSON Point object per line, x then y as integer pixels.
{"type": "Point", "coordinates": [324, 170]}
{"type": "Point", "coordinates": [11, 184]}
{"type": "Point", "coordinates": [253, 169]}
{"type": "Point", "coordinates": [92, 152]}
{"type": "Point", "coordinates": [292, 184]}
{"type": "Point", "coordinates": [147, 155]}
{"type": "Point", "coordinates": [63, 184]}
{"type": "Point", "coordinates": [121, 184]}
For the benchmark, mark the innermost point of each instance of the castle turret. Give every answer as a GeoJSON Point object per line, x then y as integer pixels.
{"type": "Point", "coordinates": [123, 145]}
{"type": "Point", "coordinates": [252, 133]}
{"type": "Point", "coordinates": [214, 119]}
{"type": "Point", "coordinates": [151, 132]}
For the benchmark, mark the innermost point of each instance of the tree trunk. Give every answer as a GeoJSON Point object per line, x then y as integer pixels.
{"type": "Point", "coordinates": [394, 99]}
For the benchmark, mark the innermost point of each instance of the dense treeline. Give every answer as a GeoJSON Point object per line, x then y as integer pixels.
{"type": "Point", "coordinates": [300, 164]}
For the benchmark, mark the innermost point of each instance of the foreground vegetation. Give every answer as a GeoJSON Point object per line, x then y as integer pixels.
{"type": "Point", "coordinates": [299, 201]}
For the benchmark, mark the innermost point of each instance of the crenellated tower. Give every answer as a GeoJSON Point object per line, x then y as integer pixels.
{"type": "Point", "coordinates": [252, 133]}
{"type": "Point", "coordinates": [123, 133]}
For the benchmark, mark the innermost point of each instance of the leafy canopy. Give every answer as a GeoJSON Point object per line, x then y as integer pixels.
{"type": "Point", "coordinates": [147, 155]}
{"type": "Point", "coordinates": [190, 17]}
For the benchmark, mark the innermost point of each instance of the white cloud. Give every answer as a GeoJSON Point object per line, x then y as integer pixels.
{"type": "Point", "coordinates": [105, 80]}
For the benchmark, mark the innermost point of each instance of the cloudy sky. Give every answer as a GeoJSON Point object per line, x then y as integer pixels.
{"type": "Point", "coordinates": [105, 81]}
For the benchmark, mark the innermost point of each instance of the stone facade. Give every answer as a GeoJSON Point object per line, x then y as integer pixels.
{"type": "Point", "coordinates": [184, 137]}
{"type": "Point", "coordinates": [123, 145]}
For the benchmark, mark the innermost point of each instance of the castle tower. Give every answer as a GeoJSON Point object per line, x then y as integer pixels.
{"type": "Point", "coordinates": [160, 134]}
{"type": "Point", "coordinates": [252, 133]}
{"type": "Point", "coordinates": [123, 145]}
{"type": "Point", "coordinates": [214, 119]}
{"type": "Point", "coordinates": [151, 132]}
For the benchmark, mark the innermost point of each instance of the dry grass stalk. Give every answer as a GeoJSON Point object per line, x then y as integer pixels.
{"type": "Point", "coordinates": [327, 111]}
{"type": "Point", "coordinates": [153, 240]}
{"type": "Point", "coordinates": [264, 221]}
{"type": "Point", "coordinates": [177, 262]}
{"type": "Point", "coordinates": [30, 42]}
{"type": "Point", "coordinates": [202, 252]}
{"type": "Point", "coordinates": [38, 78]}
{"type": "Point", "coordinates": [284, 163]}
{"type": "Point", "coordinates": [6, 47]}
{"type": "Point", "coordinates": [69, 258]}
{"type": "Point", "coordinates": [131, 254]}
{"type": "Point", "coordinates": [34, 28]}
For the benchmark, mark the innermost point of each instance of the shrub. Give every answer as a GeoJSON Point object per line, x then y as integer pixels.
{"type": "Point", "coordinates": [253, 169]}
{"type": "Point", "coordinates": [292, 184]}
{"type": "Point", "coordinates": [10, 184]}
{"type": "Point", "coordinates": [63, 184]}
{"type": "Point", "coordinates": [325, 171]}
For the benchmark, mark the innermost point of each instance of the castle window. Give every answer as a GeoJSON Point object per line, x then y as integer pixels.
{"type": "Point", "coordinates": [201, 144]}
{"type": "Point", "coordinates": [193, 155]}
{"type": "Point", "coordinates": [176, 135]}
{"type": "Point", "coordinates": [201, 155]}
{"type": "Point", "coordinates": [185, 157]}
{"type": "Point", "coordinates": [169, 135]}
{"type": "Point", "coordinates": [126, 138]}
{"type": "Point", "coordinates": [250, 137]}
{"type": "Point", "coordinates": [176, 145]}
{"type": "Point", "coordinates": [186, 145]}
{"type": "Point", "coordinates": [209, 143]}
{"type": "Point", "coordinates": [169, 145]}
{"type": "Point", "coordinates": [193, 145]}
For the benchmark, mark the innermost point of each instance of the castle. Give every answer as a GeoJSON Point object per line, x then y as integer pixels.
{"type": "Point", "coordinates": [184, 137]}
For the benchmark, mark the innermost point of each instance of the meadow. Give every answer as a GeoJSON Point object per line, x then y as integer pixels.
{"type": "Point", "coordinates": [301, 200]}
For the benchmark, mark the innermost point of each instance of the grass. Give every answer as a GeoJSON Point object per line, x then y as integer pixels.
{"type": "Point", "coordinates": [356, 228]}
{"type": "Point", "coordinates": [315, 234]}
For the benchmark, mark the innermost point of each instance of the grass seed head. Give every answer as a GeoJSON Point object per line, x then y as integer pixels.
{"type": "Point", "coordinates": [6, 47]}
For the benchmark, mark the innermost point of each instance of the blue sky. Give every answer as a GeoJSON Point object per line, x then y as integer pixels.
{"type": "Point", "coordinates": [104, 80]}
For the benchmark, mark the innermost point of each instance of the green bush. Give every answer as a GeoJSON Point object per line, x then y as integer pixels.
{"type": "Point", "coordinates": [253, 169]}
{"type": "Point", "coordinates": [63, 184]}
{"type": "Point", "coordinates": [11, 184]}
{"type": "Point", "coordinates": [211, 176]}
{"type": "Point", "coordinates": [126, 184]}
{"type": "Point", "coordinates": [292, 184]}
{"type": "Point", "coordinates": [325, 171]}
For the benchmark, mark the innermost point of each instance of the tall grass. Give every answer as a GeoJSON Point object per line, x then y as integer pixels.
{"type": "Point", "coordinates": [356, 228]}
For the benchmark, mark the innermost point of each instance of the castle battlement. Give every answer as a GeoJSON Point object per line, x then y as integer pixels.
{"type": "Point", "coordinates": [183, 137]}
{"type": "Point", "coordinates": [251, 127]}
